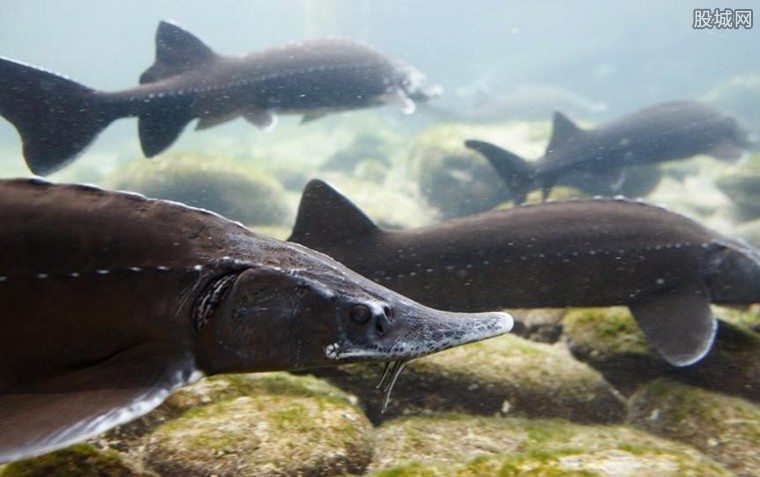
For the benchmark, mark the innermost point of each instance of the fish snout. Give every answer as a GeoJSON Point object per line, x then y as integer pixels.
{"type": "Point", "coordinates": [379, 331]}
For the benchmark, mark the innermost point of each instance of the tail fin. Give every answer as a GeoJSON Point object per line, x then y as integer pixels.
{"type": "Point", "coordinates": [56, 117]}
{"type": "Point", "coordinates": [517, 173]}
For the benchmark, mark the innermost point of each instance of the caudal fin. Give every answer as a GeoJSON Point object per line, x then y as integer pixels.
{"type": "Point", "coordinates": [516, 172]}
{"type": "Point", "coordinates": [56, 117]}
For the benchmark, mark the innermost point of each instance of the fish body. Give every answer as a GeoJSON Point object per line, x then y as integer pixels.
{"type": "Point", "coordinates": [660, 133]}
{"type": "Point", "coordinates": [57, 117]}
{"type": "Point", "coordinates": [111, 301]}
{"type": "Point", "coordinates": [665, 267]}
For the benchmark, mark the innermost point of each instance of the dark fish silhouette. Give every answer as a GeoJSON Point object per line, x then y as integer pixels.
{"type": "Point", "coordinates": [111, 301]}
{"type": "Point", "coordinates": [57, 117]}
{"type": "Point", "coordinates": [665, 267]}
{"type": "Point", "coordinates": [664, 132]}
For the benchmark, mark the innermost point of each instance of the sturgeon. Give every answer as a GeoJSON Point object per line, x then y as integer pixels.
{"type": "Point", "coordinates": [111, 301]}
{"type": "Point", "coordinates": [664, 266]}
{"type": "Point", "coordinates": [660, 133]}
{"type": "Point", "coordinates": [57, 117]}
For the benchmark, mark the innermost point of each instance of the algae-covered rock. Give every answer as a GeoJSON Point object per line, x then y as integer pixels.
{"type": "Point", "coordinates": [742, 186]}
{"type": "Point", "coordinates": [610, 340]}
{"type": "Point", "coordinates": [506, 375]}
{"type": "Point", "coordinates": [538, 324]}
{"type": "Point", "coordinates": [281, 425]}
{"type": "Point", "coordinates": [457, 445]}
{"type": "Point", "coordinates": [220, 185]}
{"type": "Point", "coordinates": [366, 146]}
{"type": "Point", "coordinates": [453, 179]}
{"type": "Point", "coordinates": [723, 427]}
{"type": "Point", "coordinates": [80, 460]}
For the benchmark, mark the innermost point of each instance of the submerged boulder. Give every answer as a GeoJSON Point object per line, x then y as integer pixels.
{"type": "Point", "coordinates": [271, 424]}
{"type": "Point", "coordinates": [220, 185]}
{"type": "Point", "coordinates": [80, 460]}
{"type": "Point", "coordinates": [507, 375]}
{"type": "Point", "coordinates": [724, 427]}
{"type": "Point", "coordinates": [610, 340]}
{"type": "Point", "coordinates": [457, 445]}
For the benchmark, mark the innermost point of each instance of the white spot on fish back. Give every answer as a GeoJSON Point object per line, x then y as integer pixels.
{"type": "Point", "coordinates": [135, 269]}
{"type": "Point", "coordinates": [102, 272]}
{"type": "Point", "coordinates": [2, 279]}
{"type": "Point", "coordinates": [42, 275]}
{"type": "Point", "coordinates": [162, 268]}
{"type": "Point", "coordinates": [198, 268]}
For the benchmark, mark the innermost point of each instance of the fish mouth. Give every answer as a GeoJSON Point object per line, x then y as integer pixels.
{"type": "Point", "coordinates": [420, 336]}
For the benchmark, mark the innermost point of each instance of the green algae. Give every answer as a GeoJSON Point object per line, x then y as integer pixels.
{"type": "Point", "coordinates": [724, 427]}
{"type": "Point", "coordinates": [80, 460]}
{"type": "Point", "coordinates": [606, 331]}
{"type": "Point", "coordinates": [236, 191]}
{"type": "Point", "coordinates": [450, 445]}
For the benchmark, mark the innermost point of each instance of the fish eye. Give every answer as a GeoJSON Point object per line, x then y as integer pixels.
{"type": "Point", "coordinates": [360, 314]}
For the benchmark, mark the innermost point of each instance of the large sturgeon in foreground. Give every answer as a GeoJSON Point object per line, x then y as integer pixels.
{"type": "Point", "coordinates": [110, 301]}
{"type": "Point", "coordinates": [57, 117]}
{"type": "Point", "coordinates": [665, 267]}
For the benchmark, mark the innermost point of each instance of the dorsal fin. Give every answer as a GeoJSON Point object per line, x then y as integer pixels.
{"type": "Point", "coordinates": [177, 51]}
{"type": "Point", "coordinates": [563, 129]}
{"type": "Point", "coordinates": [325, 216]}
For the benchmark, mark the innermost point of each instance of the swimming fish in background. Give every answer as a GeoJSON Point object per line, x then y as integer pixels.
{"type": "Point", "coordinates": [57, 117]}
{"type": "Point", "coordinates": [598, 252]}
{"type": "Point", "coordinates": [111, 301]}
{"type": "Point", "coordinates": [664, 132]}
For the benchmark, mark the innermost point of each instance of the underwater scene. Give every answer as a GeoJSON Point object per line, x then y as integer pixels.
{"type": "Point", "coordinates": [379, 238]}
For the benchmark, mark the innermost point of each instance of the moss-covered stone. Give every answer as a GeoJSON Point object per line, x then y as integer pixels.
{"type": "Point", "coordinates": [538, 324]}
{"type": "Point", "coordinates": [743, 188]}
{"type": "Point", "coordinates": [456, 445]}
{"type": "Point", "coordinates": [506, 375]}
{"type": "Point", "coordinates": [80, 460]}
{"type": "Point", "coordinates": [221, 185]}
{"type": "Point", "coordinates": [365, 147]}
{"type": "Point", "coordinates": [453, 179]}
{"type": "Point", "coordinates": [723, 427]}
{"type": "Point", "coordinates": [281, 425]}
{"type": "Point", "coordinates": [610, 340]}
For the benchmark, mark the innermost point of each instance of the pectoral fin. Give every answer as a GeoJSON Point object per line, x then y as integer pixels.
{"type": "Point", "coordinates": [264, 119]}
{"type": "Point", "coordinates": [78, 404]}
{"type": "Point", "coordinates": [678, 323]}
{"type": "Point", "coordinates": [399, 99]}
{"type": "Point", "coordinates": [206, 122]}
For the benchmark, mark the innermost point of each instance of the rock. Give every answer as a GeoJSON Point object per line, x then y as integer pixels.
{"type": "Point", "coordinates": [281, 425]}
{"type": "Point", "coordinates": [538, 324]}
{"type": "Point", "coordinates": [724, 427]}
{"type": "Point", "coordinates": [506, 375]}
{"type": "Point", "coordinates": [80, 460]}
{"type": "Point", "coordinates": [220, 185]}
{"type": "Point", "coordinates": [610, 340]}
{"type": "Point", "coordinates": [453, 179]}
{"type": "Point", "coordinates": [365, 147]}
{"type": "Point", "coordinates": [744, 191]}
{"type": "Point", "coordinates": [456, 445]}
